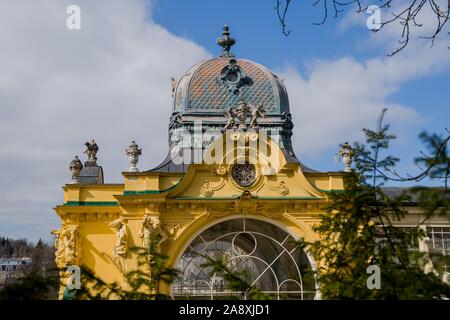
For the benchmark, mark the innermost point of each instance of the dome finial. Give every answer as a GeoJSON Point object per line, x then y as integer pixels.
{"type": "Point", "coordinates": [226, 42]}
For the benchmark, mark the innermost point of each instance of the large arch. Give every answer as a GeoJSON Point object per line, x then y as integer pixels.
{"type": "Point", "coordinates": [263, 246]}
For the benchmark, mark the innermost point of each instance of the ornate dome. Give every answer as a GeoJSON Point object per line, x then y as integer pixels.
{"type": "Point", "coordinates": [212, 86]}
{"type": "Point", "coordinates": [208, 92]}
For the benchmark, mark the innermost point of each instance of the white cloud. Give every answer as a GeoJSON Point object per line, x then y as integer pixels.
{"type": "Point", "coordinates": [58, 88]}
{"type": "Point", "coordinates": [335, 99]}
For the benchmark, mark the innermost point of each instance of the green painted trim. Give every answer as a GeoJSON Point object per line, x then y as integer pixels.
{"type": "Point", "coordinates": [290, 198]}
{"type": "Point", "coordinates": [90, 203]}
{"type": "Point", "coordinates": [135, 193]}
{"type": "Point", "coordinates": [207, 198]}
{"type": "Point", "coordinates": [238, 196]}
{"type": "Point", "coordinates": [332, 190]}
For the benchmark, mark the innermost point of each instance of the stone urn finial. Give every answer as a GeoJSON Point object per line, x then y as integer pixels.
{"type": "Point", "coordinates": [346, 153]}
{"type": "Point", "coordinates": [133, 152]}
{"type": "Point", "coordinates": [75, 169]}
{"type": "Point", "coordinates": [226, 42]}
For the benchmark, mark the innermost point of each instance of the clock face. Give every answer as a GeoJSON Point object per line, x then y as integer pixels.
{"type": "Point", "coordinates": [244, 174]}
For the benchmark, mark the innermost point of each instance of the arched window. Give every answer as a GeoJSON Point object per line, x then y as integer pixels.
{"type": "Point", "coordinates": [268, 256]}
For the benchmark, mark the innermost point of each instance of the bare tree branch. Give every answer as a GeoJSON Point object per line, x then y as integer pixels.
{"type": "Point", "coordinates": [406, 16]}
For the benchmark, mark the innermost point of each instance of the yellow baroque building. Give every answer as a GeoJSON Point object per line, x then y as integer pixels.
{"type": "Point", "coordinates": [231, 185]}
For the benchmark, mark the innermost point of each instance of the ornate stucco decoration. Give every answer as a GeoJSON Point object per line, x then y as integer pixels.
{"type": "Point", "coordinates": [208, 188]}
{"type": "Point", "coordinates": [72, 245]}
{"type": "Point", "coordinates": [91, 153]}
{"type": "Point", "coordinates": [67, 246]}
{"type": "Point", "coordinates": [233, 76]}
{"type": "Point", "coordinates": [59, 248]}
{"type": "Point", "coordinates": [152, 227]}
{"type": "Point", "coordinates": [256, 111]}
{"type": "Point", "coordinates": [120, 249]}
{"type": "Point", "coordinates": [244, 174]}
{"type": "Point", "coordinates": [242, 111]}
{"type": "Point", "coordinates": [133, 152]}
{"type": "Point", "coordinates": [280, 187]}
{"type": "Point", "coordinates": [75, 169]}
{"type": "Point", "coordinates": [246, 204]}
{"type": "Point", "coordinates": [175, 120]}
{"type": "Point", "coordinates": [229, 114]}
{"type": "Point", "coordinates": [221, 170]}
{"type": "Point", "coordinates": [67, 250]}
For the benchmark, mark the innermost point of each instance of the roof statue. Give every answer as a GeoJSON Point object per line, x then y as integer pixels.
{"type": "Point", "coordinates": [91, 153]}
{"type": "Point", "coordinates": [91, 172]}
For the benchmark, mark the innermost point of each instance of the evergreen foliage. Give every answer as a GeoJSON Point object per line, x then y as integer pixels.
{"type": "Point", "coordinates": [144, 283]}
{"type": "Point", "coordinates": [359, 227]}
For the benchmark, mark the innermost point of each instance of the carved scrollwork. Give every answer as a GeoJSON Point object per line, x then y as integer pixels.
{"type": "Point", "coordinates": [281, 187]}
{"type": "Point", "coordinates": [233, 76]}
{"type": "Point", "coordinates": [221, 170]}
{"type": "Point", "coordinates": [208, 189]}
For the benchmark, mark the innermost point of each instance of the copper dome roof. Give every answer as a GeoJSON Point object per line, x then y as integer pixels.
{"type": "Point", "coordinates": [212, 86]}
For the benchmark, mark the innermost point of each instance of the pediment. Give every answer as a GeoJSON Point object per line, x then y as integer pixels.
{"type": "Point", "coordinates": [261, 162]}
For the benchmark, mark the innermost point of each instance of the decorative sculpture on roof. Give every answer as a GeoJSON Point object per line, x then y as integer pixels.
{"type": "Point", "coordinates": [91, 153]}
{"type": "Point", "coordinates": [346, 153]}
{"type": "Point", "coordinates": [75, 169]}
{"type": "Point", "coordinates": [233, 76]}
{"type": "Point", "coordinates": [226, 42]}
{"type": "Point", "coordinates": [256, 111]}
{"type": "Point", "coordinates": [230, 118]}
{"type": "Point", "coordinates": [175, 120]}
{"type": "Point", "coordinates": [133, 152]}
{"type": "Point", "coordinates": [286, 131]}
{"type": "Point", "coordinates": [174, 85]}
{"type": "Point", "coordinates": [287, 125]}
{"type": "Point", "coordinates": [242, 111]}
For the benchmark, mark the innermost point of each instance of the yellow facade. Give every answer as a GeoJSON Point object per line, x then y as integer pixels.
{"type": "Point", "coordinates": [187, 204]}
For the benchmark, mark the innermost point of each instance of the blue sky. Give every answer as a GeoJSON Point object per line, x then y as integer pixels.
{"type": "Point", "coordinates": [256, 27]}
{"type": "Point", "coordinates": [110, 81]}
